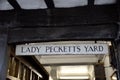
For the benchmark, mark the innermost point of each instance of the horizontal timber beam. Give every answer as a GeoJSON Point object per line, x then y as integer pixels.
{"type": "Point", "coordinates": [63, 33]}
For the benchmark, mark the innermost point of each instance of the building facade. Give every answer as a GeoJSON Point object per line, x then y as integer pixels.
{"type": "Point", "coordinates": [80, 23]}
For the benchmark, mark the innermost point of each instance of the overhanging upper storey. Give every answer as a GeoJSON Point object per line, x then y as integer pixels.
{"type": "Point", "coordinates": [82, 15]}
{"type": "Point", "coordinates": [59, 19]}
{"type": "Point", "coordinates": [43, 4]}
{"type": "Point", "coordinates": [58, 12]}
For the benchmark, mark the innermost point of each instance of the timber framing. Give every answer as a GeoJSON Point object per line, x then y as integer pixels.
{"type": "Point", "coordinates": [93, 32]}
{"type": "Point", "coordinates": [119, 9]}
{"type": "Point", "coordinates": [36, 65]}
{"type": "Point", "coordinates": [55, 24]}
{"type": "Point", "coordinates": [50, 4]}
{"type": "Point", "coordinates": [79, 23]}
{"type": "Point", "coordinates": [15, 4]}
{"type": "Point", "coordinates": [91, 2]}
{"type": "Point", "coordinates": [60, 16]}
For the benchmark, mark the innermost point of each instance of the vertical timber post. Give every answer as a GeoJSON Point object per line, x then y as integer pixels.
{"type": "Point", "coordinates": [118, 50]}
{"type": "Point", "coordinates": [3, 54]}
{"type": "Point", "coordinates": [116, 46]}
{"type": "Point", "coordinates": [117, 57]}
{"type": "Point", "coordinates": [99, 72]}
{"type": "Point", "coordinates": [118, 37]}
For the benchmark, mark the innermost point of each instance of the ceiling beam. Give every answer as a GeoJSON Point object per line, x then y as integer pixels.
{"type": "Point", "coordinates": [15, 4]}
{"type": "Point", "coordinates": [50, 3]}
{"type": "Point", "coordinates": [96, 32]}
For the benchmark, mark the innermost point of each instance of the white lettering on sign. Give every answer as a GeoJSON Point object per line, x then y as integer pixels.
{"type": "Point", "coordinates": [41, 49]}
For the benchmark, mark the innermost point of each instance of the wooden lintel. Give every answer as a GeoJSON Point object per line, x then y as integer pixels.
{"type": "Point", "coordinates": [92, 32]}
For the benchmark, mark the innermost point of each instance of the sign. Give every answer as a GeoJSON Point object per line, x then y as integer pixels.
{"type": "Point", "coordinates": [61, 48]}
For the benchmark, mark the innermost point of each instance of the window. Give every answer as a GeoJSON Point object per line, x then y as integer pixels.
{"type": "Point", "coordinates": [13, 67]}
{"type": "Point", "coordinates": [34, 76]}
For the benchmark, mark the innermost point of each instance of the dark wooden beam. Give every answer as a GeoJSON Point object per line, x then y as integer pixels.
{"type": "Point", "coordinates": [118, 3]}
{"type": "Point", "coordinates": [116, 48]}
{"type": "Point", "coordinates": [81, 32]}
{"type": "Point", "coordinates": [91, 2]}
{"type": "Point", "coordinates": [8, 17]}
{"type": "Point", "coordinates": [118, 57]}
{"type": "Point", "coordinates": [99, 70]}
{"type": "Point", "coordinates": [50, 4]}
{"type": "Point", "coordinates": [15, 4]}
